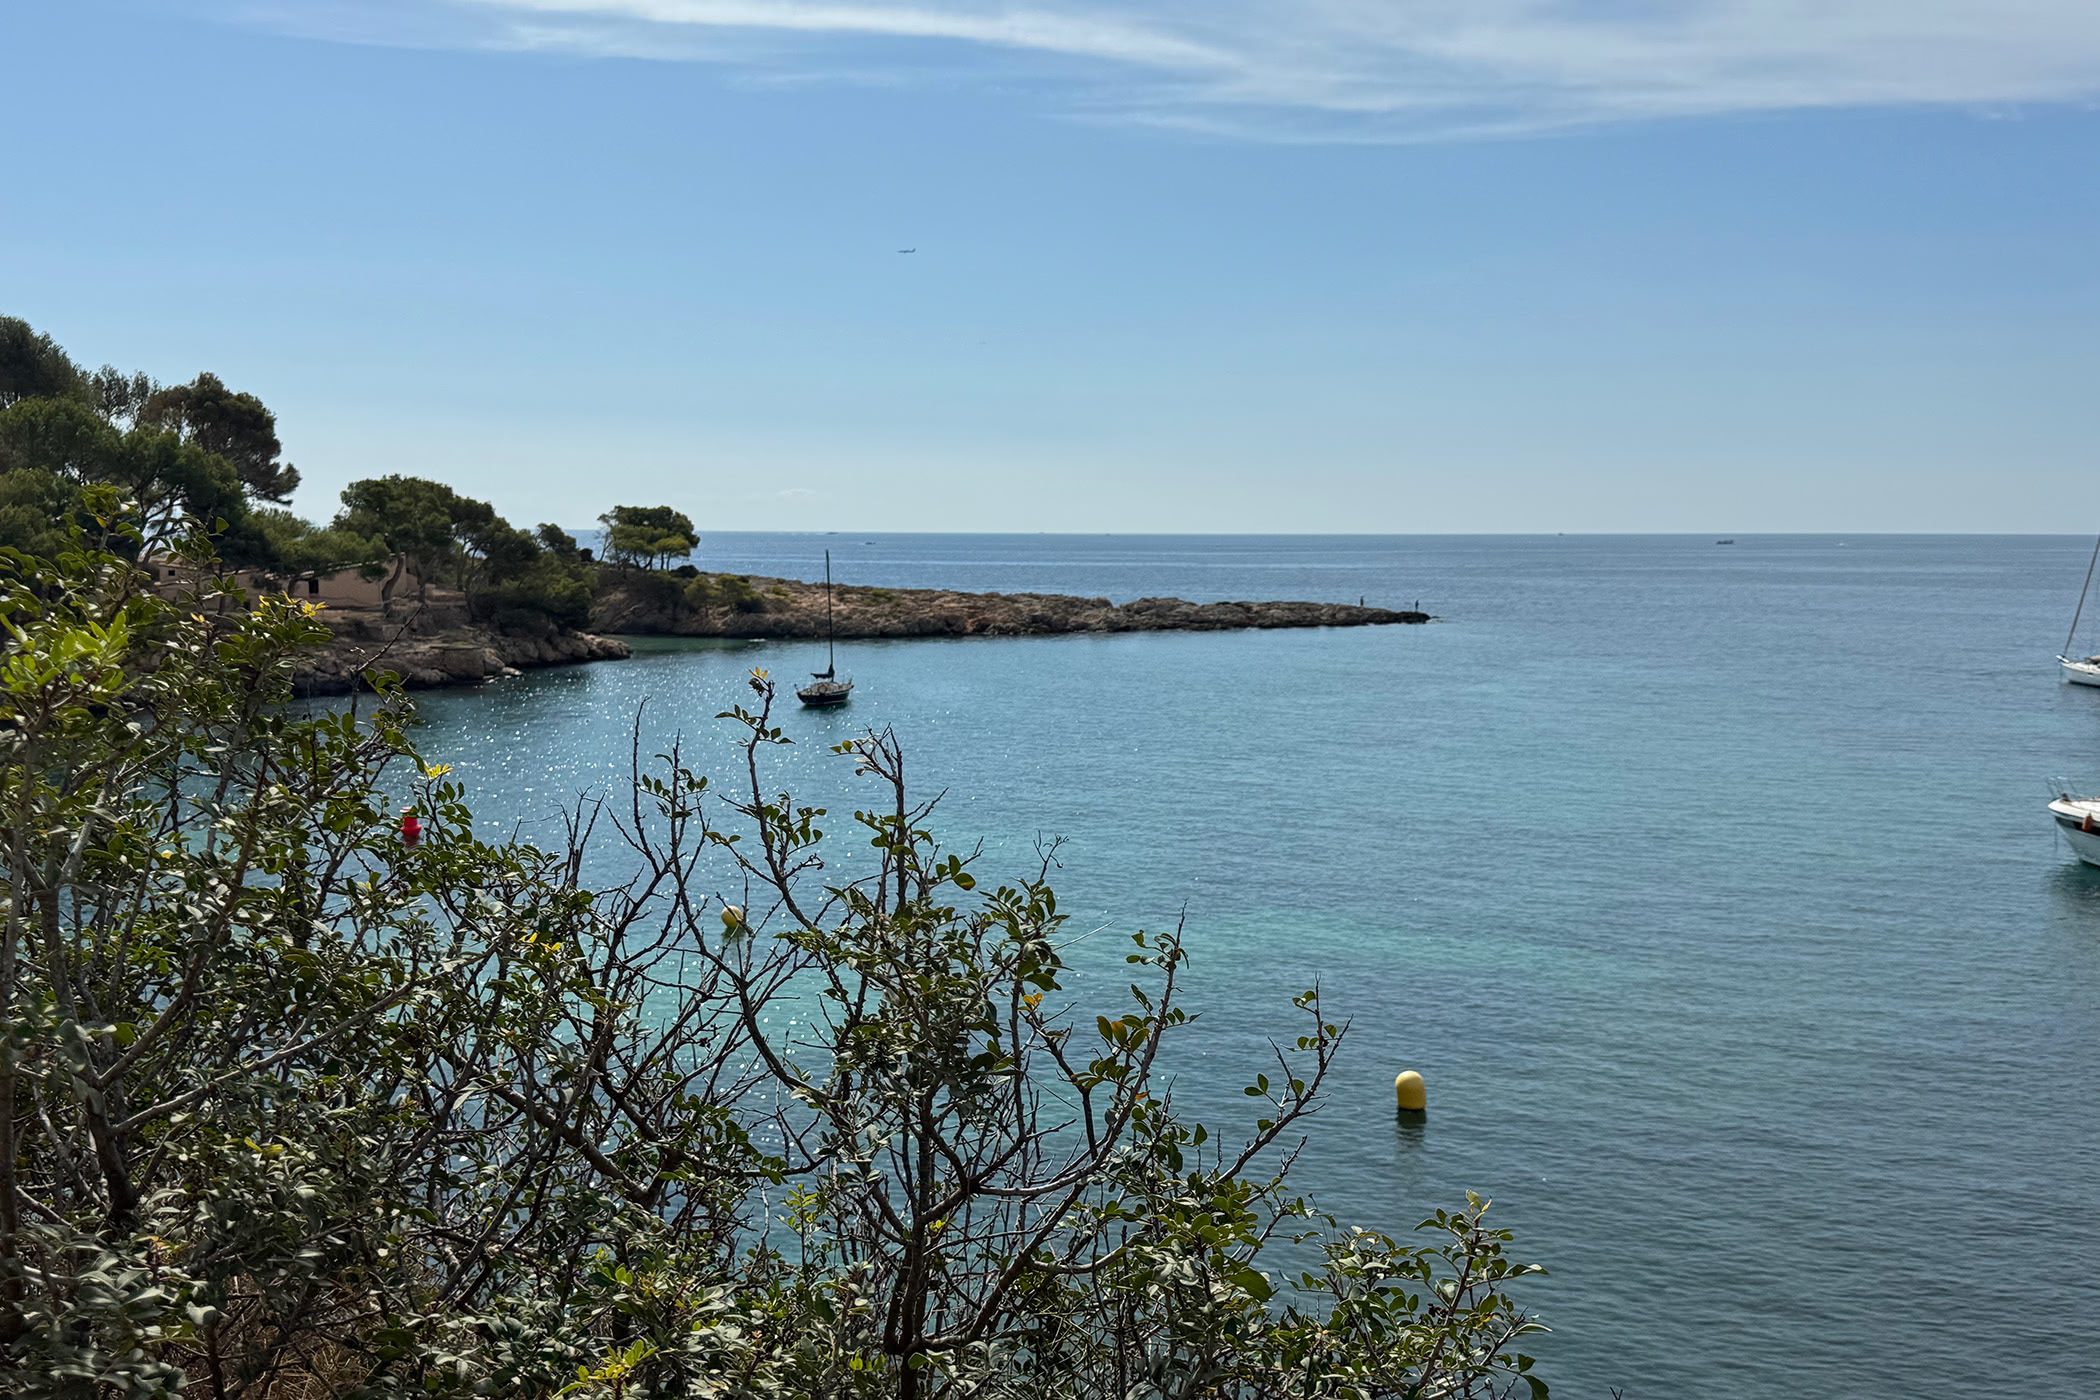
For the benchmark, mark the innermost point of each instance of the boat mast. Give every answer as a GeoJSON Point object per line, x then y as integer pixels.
{"type": "Point", "coordinates": [2081, 596]}
{"type": "Point", "coordinates": [831, 660]}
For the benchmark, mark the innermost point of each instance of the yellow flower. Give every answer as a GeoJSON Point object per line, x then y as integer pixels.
{"type": "Point", "coordinates": [436, 770]}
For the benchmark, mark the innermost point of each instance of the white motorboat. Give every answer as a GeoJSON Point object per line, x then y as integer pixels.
{"type": "Point", "coordinates": [2078, 818]}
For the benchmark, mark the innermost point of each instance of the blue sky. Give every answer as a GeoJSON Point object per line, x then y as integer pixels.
{"type": "Point", "coordinates": [1336, 265]}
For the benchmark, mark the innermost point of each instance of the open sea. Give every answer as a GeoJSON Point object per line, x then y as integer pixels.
{"type": "Point", "coordinates": [1710, 888]}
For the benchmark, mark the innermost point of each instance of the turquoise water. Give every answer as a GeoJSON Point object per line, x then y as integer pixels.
{"type": "Point", "coordinates": [1709, 887]}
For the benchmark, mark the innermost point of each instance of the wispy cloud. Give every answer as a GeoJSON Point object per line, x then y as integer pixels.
{"type": "Point", "coordinates": [1332, 69]}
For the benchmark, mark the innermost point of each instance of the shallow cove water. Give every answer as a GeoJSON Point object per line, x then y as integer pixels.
{"type": "Point", "coordinates": [1709, 887]}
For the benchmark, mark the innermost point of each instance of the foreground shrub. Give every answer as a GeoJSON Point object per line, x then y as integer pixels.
{"type": "Point", "coordinates": [292, 1103]}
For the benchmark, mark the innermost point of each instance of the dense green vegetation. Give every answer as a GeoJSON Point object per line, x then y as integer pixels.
{"type": "Point", "coordinates": [648, 537]}
{"type": "Point", "coordinates": [296, 1103]}
{"type": "Point", "coordinates": [202, 457]}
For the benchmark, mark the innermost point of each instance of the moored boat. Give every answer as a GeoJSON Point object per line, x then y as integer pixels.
{"type": "Point", "coordinates": [2078, 819]}
{"type": "Point", "coordinates": [825, 689]}
{"type": "Point", "coordinates": [2081, 670]}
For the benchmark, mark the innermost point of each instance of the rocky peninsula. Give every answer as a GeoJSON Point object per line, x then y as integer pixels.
{"type": "Point", "coordinates": [431, 641]}
{"type": "Point", "coordinates": [733, 605]}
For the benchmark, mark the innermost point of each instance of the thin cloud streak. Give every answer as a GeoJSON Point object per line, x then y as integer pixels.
{"type": "Point", "coordinates": [1078, 35]}
{"type": "Point", "coordinates": [1355, 69]}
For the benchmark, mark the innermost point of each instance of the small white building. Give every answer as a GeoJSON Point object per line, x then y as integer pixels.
{"type": "Point", "coordinates": [349, 586]}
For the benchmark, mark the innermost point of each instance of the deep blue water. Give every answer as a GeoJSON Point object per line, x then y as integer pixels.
{"type": "Point", "coordinates": [1709, 887]}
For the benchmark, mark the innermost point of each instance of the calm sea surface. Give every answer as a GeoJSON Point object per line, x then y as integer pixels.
{"type": "Point", "coordinates": [1709, 887]}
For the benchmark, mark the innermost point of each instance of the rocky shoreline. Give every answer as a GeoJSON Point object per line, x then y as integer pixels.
{"type": "Point", "coordinates": [726, 605]}
{"type": "Point", "coordinates": [433, 643]}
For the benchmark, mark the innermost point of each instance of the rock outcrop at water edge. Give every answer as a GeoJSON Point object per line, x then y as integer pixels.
{"type": "Point", "coordinates": [433, 644]}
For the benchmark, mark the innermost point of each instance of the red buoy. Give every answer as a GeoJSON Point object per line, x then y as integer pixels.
{"type": "Point", "coordinates": [411, 829]}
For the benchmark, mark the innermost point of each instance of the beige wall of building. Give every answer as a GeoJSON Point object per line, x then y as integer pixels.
{"type": "Point", "coordinates": [341, 588]}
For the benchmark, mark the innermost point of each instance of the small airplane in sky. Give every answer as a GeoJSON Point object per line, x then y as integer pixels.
{"type": "Point", "coordinates": [907, 250]}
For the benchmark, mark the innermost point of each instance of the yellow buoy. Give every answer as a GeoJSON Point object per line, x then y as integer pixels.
{"type": "Point", "coordinates": [1410, 1092]}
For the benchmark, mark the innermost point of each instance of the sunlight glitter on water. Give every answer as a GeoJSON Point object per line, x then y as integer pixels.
{"type": "Point", "coordinates": [1711, 891]}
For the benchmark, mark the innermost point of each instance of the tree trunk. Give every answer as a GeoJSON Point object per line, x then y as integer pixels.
{"type": "Point", "coordinates": [108, 1143]}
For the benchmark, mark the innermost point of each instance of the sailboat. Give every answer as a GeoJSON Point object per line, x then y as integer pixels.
{"type": "Point", "coordinates": [2083, 670]}
{"type": "Point", "coordinates": [825, 688]}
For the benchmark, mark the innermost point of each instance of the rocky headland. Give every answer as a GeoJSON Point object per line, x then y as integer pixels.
{"type": "Point", "coordinates": [433, 643]}
{"type": "Point", "coordinates": [731, 605]}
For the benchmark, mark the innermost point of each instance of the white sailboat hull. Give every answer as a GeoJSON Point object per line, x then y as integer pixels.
{"type": "Point", "coordinates": [2080, 672]}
